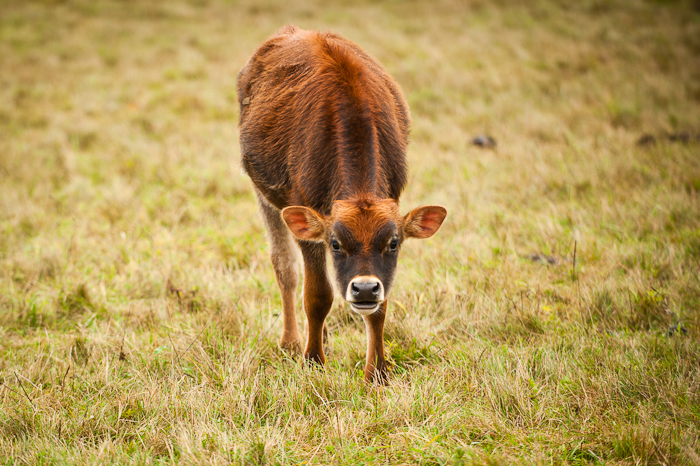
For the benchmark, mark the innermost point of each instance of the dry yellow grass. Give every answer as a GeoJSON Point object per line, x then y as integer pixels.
{"type": "Point", "coordinates": [138, 308]}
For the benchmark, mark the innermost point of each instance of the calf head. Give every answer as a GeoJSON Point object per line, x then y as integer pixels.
{"type": "Point", "coordinates": [364, 237]}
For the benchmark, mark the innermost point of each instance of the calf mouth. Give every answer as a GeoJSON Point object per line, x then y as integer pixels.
{"type": "Point", "coordinates": [365, 308]}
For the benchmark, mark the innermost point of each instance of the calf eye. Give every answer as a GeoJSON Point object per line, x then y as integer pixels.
{"type": "Point", "coordinates": [335, 245]}
{"type": "Point", "coordinates": [393, 245]}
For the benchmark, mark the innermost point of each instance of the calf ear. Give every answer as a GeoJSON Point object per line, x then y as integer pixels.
{"type": "Point", "coordinates": [304, 223]}
{"type": "Point", "coordinates": [423, 222]}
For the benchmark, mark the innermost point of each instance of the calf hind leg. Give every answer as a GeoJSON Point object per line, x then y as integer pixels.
{"type": "Point", "coordinates": [284, 261]}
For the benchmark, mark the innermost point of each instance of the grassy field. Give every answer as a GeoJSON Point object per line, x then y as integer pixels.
{"type": "Point", "coordinates": [138, 309]}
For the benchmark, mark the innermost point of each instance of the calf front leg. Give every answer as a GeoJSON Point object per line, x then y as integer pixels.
{"type": "Point", "coordinates": [318, 298]}
{"type": "Point", "coordinates": [375, 367]}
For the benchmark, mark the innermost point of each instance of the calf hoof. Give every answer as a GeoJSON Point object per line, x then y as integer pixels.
{"type": "Point", "coordinates": [315, 359]}
{"type": "Point", "coordinates": [291, 344]}
{"type": "Point", "coordinates": [378, 375]}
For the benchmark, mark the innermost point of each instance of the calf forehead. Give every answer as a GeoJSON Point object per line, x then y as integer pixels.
{"type": "Point", "coordinates": [363, 218]}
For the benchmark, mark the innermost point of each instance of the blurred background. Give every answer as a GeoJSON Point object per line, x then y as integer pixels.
{"type": "Point", "coordinates": [119, 123]}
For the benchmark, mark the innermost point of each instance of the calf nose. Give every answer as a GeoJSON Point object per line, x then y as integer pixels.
{"type": "Point", "coordinates": [365, 290]}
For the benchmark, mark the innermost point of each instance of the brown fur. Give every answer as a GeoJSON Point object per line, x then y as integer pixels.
{"type": "Point", "coordinates": [364, 216]}
{"type": "Point", "coordinates": [321, 121]}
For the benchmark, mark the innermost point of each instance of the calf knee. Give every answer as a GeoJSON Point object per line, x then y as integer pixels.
{"type": "Point", "coordinates": [318, 299]}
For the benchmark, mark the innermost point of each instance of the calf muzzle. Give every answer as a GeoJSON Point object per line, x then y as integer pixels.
{"type": "Point", "coordinates": [365, 294]}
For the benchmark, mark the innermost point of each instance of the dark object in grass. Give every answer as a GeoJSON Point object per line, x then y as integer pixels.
{"type": "Point", "coordinates": [482, 140]}
{"type": "Point", "coordinates": [677, 328]}
{"type": "Point", "coordinates": [646, 140]}
{"type": "Point", "coordinates": [684, 137]}
{"type": "Point", "coordinates": [545, 259]}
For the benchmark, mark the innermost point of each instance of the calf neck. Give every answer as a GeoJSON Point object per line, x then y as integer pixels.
{"type": "Point", "coordinates": [324, 131]}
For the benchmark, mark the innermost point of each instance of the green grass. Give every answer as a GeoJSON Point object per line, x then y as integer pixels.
{"type": "Point", "coordinates": [138, 309]}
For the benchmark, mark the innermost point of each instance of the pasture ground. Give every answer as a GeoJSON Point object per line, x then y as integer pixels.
{"type": "Point", "coordinates": [138, 310]}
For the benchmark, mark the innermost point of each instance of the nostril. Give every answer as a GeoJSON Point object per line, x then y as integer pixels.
{"type": "Point", "coordinates": [375, 290]}
{"type": "Point", "coordinates": [355, 290]}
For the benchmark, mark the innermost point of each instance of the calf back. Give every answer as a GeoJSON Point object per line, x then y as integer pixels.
{"type": "Point", "coordinates": [321, 121]}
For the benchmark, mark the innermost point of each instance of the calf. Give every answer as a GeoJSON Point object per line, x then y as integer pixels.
{"type": "Point", "coordinates": [324, 131]}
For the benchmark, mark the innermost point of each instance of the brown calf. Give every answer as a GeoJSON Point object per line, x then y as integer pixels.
{"type": "Point", "coordinates": [324, 131]}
